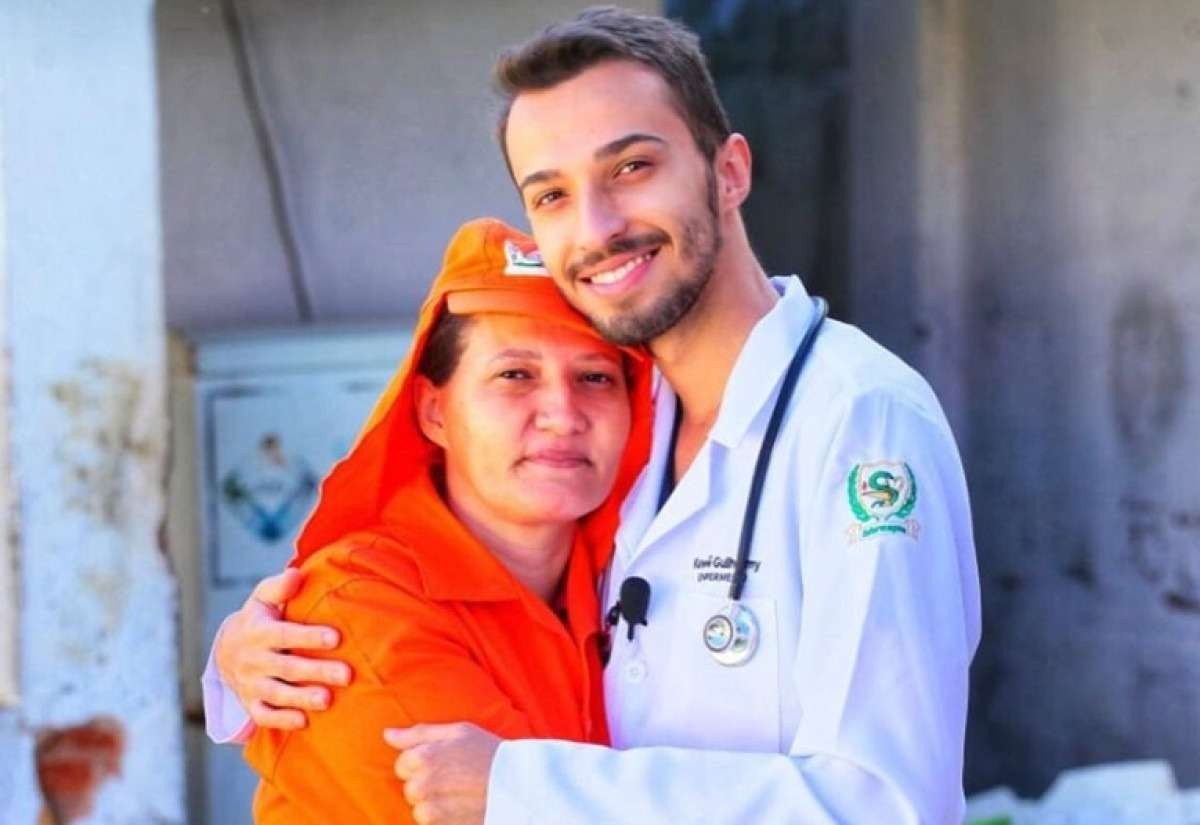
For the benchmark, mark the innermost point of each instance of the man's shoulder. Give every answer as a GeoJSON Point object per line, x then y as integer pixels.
{"type": "Point", "coordinates": [849, 365]}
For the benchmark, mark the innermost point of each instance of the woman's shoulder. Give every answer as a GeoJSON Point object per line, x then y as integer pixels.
{"type": "Point", "coordinates": [370, 588]}
{"type": "Point", "coordinates": [358, 560]}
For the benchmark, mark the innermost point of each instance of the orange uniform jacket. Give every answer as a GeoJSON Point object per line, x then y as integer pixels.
{"type": "Point", "coordinates": [433, 626]}
{"type": "Point", "coordinates": [436, 630]}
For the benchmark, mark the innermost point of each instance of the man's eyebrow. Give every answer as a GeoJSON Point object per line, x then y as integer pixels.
{"type": "Point", "coordinates": [538, 177]}
{"type": "Point", "coordinates": [619, 145]}
{"type": "Point", "coordinates": [615, 147]}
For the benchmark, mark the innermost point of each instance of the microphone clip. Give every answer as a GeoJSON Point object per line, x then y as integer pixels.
{"type": "Point", "coordinates": [632, 605]}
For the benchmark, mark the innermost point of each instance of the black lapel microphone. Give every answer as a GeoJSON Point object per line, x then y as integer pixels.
{"type": "Point", "coordinates": [632, 604]}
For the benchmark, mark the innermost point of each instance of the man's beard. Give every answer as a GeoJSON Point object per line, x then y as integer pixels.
{"type": "Point", "coordinates": [700, 242]}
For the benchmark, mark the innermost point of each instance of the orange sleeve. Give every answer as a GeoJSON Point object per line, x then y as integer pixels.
{"type": "Point", "coordinates": [409, 666]}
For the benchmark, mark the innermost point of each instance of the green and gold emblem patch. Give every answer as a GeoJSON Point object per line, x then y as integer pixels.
{"type": "Point", "coordinates": [882, 497]}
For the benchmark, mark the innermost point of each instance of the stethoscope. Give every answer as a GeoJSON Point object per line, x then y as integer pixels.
{"type": "Point", "coordinates": [732, 634]}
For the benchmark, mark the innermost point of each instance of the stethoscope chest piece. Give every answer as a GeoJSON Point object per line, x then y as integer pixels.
{"type": "Point", "coordinates": [731, 636]}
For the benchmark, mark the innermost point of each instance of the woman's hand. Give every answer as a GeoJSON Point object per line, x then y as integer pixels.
{"type": "Point", "coordinates": [445, 770]}
{"type": "Point", "coordinates": [253, 655]}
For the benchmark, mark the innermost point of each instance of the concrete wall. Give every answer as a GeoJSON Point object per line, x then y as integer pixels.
{"type": "Point", "coordinates": [8, 517]}
{"type": "Point", "coordinates": [83, 337]}
{"type": "Point", "coordinates": [381, 115]}
{"type": "Point", "coordinates": [1027, 223]}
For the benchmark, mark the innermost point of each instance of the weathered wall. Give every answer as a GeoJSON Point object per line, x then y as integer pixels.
{"type": "Point", "coordinates": [1027, 219]}
{"type": "Point", "coordinates": [8, 516]}
{"type": "Point", "coordinates": [84, 338]}
{"type": "Point", "coordinates": [381, 115]}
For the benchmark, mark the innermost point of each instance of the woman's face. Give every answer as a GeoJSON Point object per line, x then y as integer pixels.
{"type": "Point", "coordinates": [533, 421]}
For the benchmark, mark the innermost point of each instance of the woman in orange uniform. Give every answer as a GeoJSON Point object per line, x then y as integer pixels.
{"type": "Point", "coordinates": [458, 544]}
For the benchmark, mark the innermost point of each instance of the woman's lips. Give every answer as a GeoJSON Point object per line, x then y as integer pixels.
{"type": "Point", "coordinates": [558, 459]}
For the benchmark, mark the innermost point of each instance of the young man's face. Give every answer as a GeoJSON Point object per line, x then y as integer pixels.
{"type": "Point", "coordinates": [621, 202]}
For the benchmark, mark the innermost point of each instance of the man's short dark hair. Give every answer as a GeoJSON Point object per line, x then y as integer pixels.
{"type": "Point", "coordinates": [604, 33]}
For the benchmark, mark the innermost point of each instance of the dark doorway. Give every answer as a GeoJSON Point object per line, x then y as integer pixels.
{"type": "Point", "coordinates": [782, 68]}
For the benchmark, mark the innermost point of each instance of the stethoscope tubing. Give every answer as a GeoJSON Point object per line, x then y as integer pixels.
{"type": "Point", "coordinates": [763, 462]}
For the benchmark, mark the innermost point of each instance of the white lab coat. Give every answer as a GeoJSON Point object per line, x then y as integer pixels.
{"type": "Point", "coordinates": [853, 708]}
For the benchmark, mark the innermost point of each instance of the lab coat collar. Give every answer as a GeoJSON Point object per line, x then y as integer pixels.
{"type": "Point", "coordinates": [762, 362]}
{"type": "Point", "coordinates": [756, 374]}
{"type": "Point", "coordinates": [642, 524]}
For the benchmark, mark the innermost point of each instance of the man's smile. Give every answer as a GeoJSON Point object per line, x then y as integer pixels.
{"type": "Point", "coordinates": [611, 276]}
{"type": "Point", "coordinates": [621, 275]}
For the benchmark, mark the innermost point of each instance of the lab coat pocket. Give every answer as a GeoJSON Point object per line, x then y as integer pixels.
{"type": "Point", "coordinates": [724, 707]}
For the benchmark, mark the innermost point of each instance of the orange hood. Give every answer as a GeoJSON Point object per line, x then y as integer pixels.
{"type": "Point", "coordinates": [488, 267]}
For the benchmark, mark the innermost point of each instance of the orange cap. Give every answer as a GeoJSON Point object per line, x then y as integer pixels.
{"type": "Point", "coordinates": [491, 267]}
{"type": "Point", "coordinates": [488, 267]}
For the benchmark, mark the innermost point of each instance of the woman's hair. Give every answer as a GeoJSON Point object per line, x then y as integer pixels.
{"type": "Point", "coordinates": [444, 348]}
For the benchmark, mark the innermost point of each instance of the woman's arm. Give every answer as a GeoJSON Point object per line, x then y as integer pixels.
{"type": "Point", "coordinates": [411, 666]}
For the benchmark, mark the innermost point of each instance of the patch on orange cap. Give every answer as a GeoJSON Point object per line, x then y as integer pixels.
{"type": "Point", "coordinates": [520, 262]}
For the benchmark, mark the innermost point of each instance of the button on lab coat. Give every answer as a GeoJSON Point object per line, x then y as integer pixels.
{"type": "Point", "coordinates": [853, 707]}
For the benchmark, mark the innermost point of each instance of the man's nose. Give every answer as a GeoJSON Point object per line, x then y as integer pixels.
{"type": "Point", "coordinates": [600, 220]}
{"type": "Point", "coordinates": [559, 410]}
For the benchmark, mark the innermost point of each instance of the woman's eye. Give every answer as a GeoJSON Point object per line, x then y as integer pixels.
{"type": "Point", "coordinates": [599, 378]}
{"type": "Point", "coordinates": [515, 374]}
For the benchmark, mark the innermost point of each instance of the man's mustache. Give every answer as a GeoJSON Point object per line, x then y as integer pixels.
{"type": "Point", "coordinates": [617, 246]}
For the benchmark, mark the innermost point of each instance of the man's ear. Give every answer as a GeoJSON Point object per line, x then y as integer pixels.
{"type": "Point", "coordinates": [733, 167]}
{"type": "Point", "coordinates": [429, 411]}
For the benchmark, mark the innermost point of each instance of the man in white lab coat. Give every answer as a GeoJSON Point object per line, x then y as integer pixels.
{"type": "Point", "coordinates": [851, 706]}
